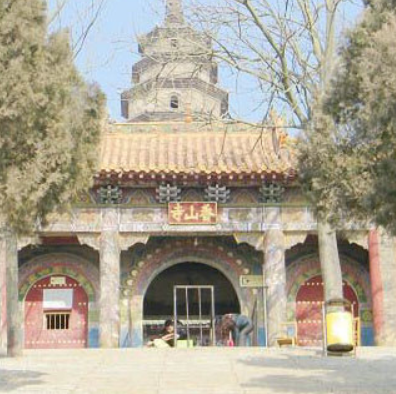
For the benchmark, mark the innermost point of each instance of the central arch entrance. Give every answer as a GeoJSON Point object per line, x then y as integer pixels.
{"type": "Point", "coordinates": [158, 300]}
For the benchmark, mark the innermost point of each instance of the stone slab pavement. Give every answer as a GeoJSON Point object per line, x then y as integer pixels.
{"type": "Point", "coordinates": [198, 371]}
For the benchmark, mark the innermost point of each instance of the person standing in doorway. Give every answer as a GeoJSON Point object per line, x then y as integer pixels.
{"type": "Point", "coordinates": [240, 326]}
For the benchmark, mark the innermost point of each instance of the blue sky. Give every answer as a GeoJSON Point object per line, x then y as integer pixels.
{"type": "Point", "coordinates": [110, 48]}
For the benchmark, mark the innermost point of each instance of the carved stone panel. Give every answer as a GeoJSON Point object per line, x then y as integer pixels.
{"type": "Point", "coordinates": [90, 239]}
{"type": "Point", "coordinates": [357, 237]}
{"type": "Point", "coordinates": [126, 241]}
{"type": "Point", "coordinates": [293, 238]}
{"type": "Point", "coordinates": [255, 240]}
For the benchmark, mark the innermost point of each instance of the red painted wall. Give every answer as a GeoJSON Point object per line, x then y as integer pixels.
{"type": "Point", "coordinates": [309, 310]}
{"type": "Point", "coordinates": [36, 334]}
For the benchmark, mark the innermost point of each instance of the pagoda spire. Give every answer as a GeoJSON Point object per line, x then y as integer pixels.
{"type": "Point", "coordinates": [174, 12]}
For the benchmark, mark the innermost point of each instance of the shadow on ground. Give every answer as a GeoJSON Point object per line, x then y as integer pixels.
{"type": "Point", "coordinates": [11, 380]}
{"type": "Point", "coordinates": [315, 374]}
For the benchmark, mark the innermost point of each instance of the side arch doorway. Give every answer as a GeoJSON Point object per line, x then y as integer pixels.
{"type": "Point", "coordinates": [56, 314]}
{"type": "Point", "coordinates": [309, 302]}
{"type": "Point", "coordinates": [158, 300]}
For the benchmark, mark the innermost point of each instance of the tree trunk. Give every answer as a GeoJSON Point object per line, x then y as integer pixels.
{"type": "Point", "coordinates": [3, 308]}
{"type": "Point", "coordinates": [14, 327]}
{"type": "Point", "coordinates": [329, 260]}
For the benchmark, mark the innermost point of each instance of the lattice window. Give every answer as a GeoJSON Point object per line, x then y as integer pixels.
{"type": "Point", "coordinates": [135, 76]}
{"type": "Point", "coordinates": [272, 193]}
{"type": "Point", "coordinates": [174, 43]}
{"type": "Point", "coordinates": [168, 193]}
{"type": "Point", "coordinates": [57, 321]}
{"type": "Point", "coordinates": [110, 195]}
{"type": "Point", "coordinates": [217, 193]}
{"type": "Point", "coordinates": [174, 102]}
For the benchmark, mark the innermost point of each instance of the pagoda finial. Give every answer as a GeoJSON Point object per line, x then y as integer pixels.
{"type": "Point", "coordinates": [174, 12]}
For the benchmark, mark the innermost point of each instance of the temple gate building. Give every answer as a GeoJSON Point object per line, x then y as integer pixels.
{"type": "Point", "coordinates": [180, 199]}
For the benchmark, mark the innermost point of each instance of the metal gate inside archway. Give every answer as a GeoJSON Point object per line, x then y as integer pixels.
{"type": "Point", "coordinates": [56, 314]}
{"type": "Point", "coordinates": [309, 302]}
{"type": "Point", "coordinates": [159, 299]}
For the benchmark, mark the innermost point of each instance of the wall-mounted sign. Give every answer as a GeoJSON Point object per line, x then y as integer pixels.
{"type": "Point", "coordinates": [251, 281]}
{"type": "Point", "coordinates": [58, 281]}
{"type": "Point", "coordinates": [192, 213]}
{"type": "Point", "coordinates": [57, 299]}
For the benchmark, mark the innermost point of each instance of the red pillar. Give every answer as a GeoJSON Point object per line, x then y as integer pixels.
{"type": "Point", "coordinates": [376, 285]}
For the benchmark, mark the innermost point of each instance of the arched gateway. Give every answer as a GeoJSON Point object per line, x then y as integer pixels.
{"type": "Point", "coordinates": [309, 302]}
{"type": "Point", "coordinates": [56, 314]}
{"type": "Point", "coordinates": [182, 261]}
{"type": "Point", "coordinates": [159, 302]}
{"type": "Point", "coordinates": [306, 296]}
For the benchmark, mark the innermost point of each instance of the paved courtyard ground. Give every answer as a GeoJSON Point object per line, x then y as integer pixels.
{"type": "Point", "coordinates": [198, 371]}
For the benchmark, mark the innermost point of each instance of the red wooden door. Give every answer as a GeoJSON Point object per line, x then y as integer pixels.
{"type": "Point", "coordinates": [50, 326]}
{"type": "Point", "coordinates": [309, 303]}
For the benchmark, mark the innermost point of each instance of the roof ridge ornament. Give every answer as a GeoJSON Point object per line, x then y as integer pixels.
{"type": "Point", "coordinates": [174, 12]}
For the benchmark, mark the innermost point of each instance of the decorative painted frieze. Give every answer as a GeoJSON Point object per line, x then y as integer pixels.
{"type": "Point", "coordinates": [155, 221]}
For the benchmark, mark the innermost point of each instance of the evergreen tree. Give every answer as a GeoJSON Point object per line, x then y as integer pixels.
{"type": "Point", "coordinates": [50, 119]}
{"type": "Point", "coordinates": [349, 159]}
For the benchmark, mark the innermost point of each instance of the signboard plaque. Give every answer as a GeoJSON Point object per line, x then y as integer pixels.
{"type": "Point", "coordinates": [57, 299]}
{"type": "Point", "coordinates": [58, 281]}
{"type": "Point", "coordinates": [251, 281]}
{"type": "Point", "coordinates": [192, 213]}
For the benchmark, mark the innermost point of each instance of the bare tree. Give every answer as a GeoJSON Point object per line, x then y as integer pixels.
{"type": "Point", "coordinates": [78, 16]}
{"type": "Point", "coordinates": [288, 50]}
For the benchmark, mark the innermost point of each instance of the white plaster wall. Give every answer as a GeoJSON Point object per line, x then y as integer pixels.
{"type": "Point", "coordinates": [159, 101]}
{"type": "Point", "coordinates": [177, 70]}
{"type": "Point", "coordinates": [186, 43]}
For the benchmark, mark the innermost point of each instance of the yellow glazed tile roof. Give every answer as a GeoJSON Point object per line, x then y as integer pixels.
{"type": "Point", "coordinates": [191, 149]}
